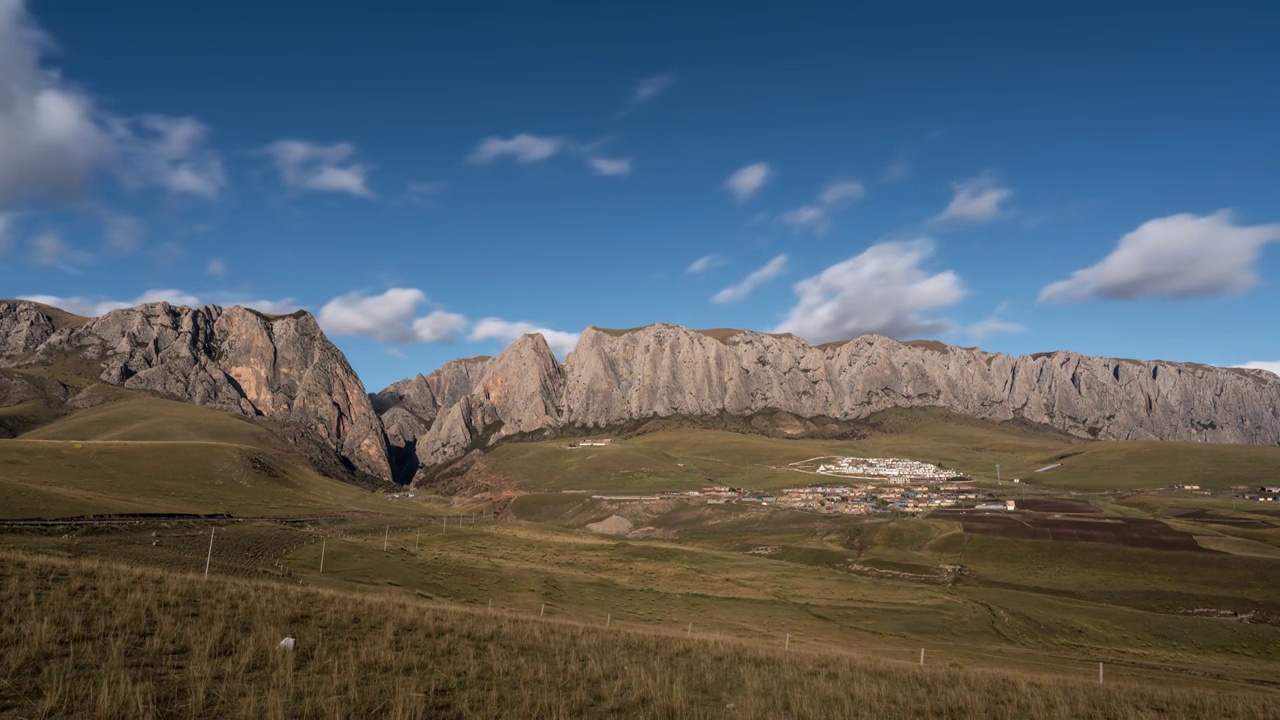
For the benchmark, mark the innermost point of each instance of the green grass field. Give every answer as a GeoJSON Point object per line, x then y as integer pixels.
{"type": "Point", "coordinates": [700, 599]}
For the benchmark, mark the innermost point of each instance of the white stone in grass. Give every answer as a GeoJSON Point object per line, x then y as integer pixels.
{"type": "Point", "coordinates": [287, 643]}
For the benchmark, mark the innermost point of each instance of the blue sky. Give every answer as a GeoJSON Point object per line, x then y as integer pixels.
{"type": "Point", "coordinates": [432, 181]}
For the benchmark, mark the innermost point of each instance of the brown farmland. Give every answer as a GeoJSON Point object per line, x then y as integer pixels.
{"type": "Point", "coordinates": [1206, 516]}
{"type": "Point", "coordinates": [1129, 532]}
{"type": "Point", "coordinates": [1056, 505]}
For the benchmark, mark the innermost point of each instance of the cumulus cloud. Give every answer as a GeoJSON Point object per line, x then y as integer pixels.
{"type": "Point", "coordinates": [492, 328]}
{"type": "Point", "coordinates": [390, 318]}
{"type": "Point", "coordinates": [522, 148]}
{"type": "Point", "coordinates": [993, 325]}
{"type": "Point", "coordinates": [53, 139]}
{"type": "Point", "coordinates": [761, 275]}
{"type": "Point", "coordinates": [1174, 257]}
{"type": "Point", "coordinates": [883, 290]}
{"type": "Point", "coordinates": [648, 89]}
{"type": "Point", "coordinates": [705, 263]}
{"type": "Point", "coordinates": [307, 166]}
{"type": "Point", "coordinates": [976, 200]}
{"type": "Point", "coordinates": [816, 216]}
{"type": "Point", "coordinates": [747, 181]}
{"type": "Point", "coordinates": [93, 307]}
{"type": "Point", "coordinates": [610, 166]}
{"type": "Point", "coordinates": [50, 136]}
{"type": "Point", "coordinates": [1271, 366]}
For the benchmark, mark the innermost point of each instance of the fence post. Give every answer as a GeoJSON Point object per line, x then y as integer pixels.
{"type": "Point", "coordinates": [543, 612]}
{"type": "Point", "coordinates": [608, 620]}
{"type": "Point", "coordinates": [689, 631]}
{"type": "Point", "coordinates": [386, 537]}
{"type": "Point", "coordinates": [921, 657]}
{"type": "Point", "coordinates": [209, 558]}
{"type": "Point", "coordinates": [1099, 673]}
{"type": "Point", "coordinates": [323, 542]}
{"type": "Point", "coordinates": [786, 645]}
{"type": "Point", "coordinates": [418, 540]}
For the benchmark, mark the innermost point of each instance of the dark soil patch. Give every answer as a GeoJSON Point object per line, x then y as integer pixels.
{"type": "Point", "coordinates": [1056, 505]}
{"type": "Point", "coordinates": [1129, 532]}
{"type": "Point", "coordinates": [1206, 516]}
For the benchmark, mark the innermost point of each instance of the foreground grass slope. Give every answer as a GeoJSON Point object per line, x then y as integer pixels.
{"type": "Point", "coordinates": [98, 639]}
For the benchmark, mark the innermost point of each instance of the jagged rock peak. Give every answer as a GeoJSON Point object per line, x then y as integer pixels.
{"type": "Point", "coordinates": [615, 378]}
{"type": "Point", "coordinates": [277, 366]}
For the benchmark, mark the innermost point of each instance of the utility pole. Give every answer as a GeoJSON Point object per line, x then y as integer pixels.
{"type": "Point", "coordinates": [209, 558]}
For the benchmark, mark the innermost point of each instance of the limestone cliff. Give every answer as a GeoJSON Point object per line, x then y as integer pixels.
{"type": "Point", "coordinates": [615, 378]}
{"type": "Point", "coordinates": [277, 367]}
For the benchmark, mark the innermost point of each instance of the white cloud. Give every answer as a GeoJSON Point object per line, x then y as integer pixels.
{"type": "Point", "coordinates": [748, 284]}
{"type": "Point", "coordinates": [747, 181]}
{"type": "Point", "coordinates": [492, 328]}
{"type": "Point", "coordinates": [1174, 257]}
{"type": "Point", "coordinates": [6, 235]}
{"type": "Point", "coordinates": [817, 216]}
{"type": "Point", "coordinates": [424, 194]}
{"type": "Point", "coordinates": [522, 148]}
{"type": "Point", "coordinates": [705, 263]}
{"type": "Point", "coordinates": [170, 152]}
{"type": "Point", "coordinates": [389, 318]}
{"type": "Point", "coordinates": [842, 192]}
{"type": "Point", "coordinates": [898, 169]}
{"type": "Point", "coordinates": [610, 166]}
{"type": "Point", "coordinates": [123, 234]}
{"type": "Point", "coordinates": [883, 290]}
{"type": "Point", "coordinates": [53, 139]}
{"type": "Point", "coordinates": [48, 249]}
{"type": "Point", "coordinates": [993, 325]}
{"type": "Point", "coordinates": [50, 137]}
{"type": "Point", "coordinates": [1271, 366]}
{"type": "Point", "coordinates": [93, 307]}
{"type": "Point", "coordinates": [812, 217]}
{"type": "Point", "coordinates": [647, 89]}
{"type": "Point", "coordinates": [304, 165]}
{"type": "Point", "coordinates": [976, 200]}
{"type": "Point", "coordinates": [216, 267]}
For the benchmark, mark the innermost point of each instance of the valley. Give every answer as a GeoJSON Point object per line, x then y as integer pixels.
{"type": "Point", "coordinates": [670, 561]}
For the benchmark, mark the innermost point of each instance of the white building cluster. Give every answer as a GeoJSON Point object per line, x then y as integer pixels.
{"type": "Point", "coordinates": [894, 470]}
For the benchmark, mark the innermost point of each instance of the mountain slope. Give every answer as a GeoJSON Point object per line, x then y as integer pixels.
{"type": "Point", "coordinates": [281, 368]}
{"type": "Point", "coordinates": [616, 378]}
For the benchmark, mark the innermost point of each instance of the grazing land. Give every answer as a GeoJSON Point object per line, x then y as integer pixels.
{"type": "Point", "coordinates": [534, 598]}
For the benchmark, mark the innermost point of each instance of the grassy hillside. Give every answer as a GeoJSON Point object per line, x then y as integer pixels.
{"type": "Point", "coordinates": [96, 639]}
{"type": "Point", "coordinates": [138, 453]}
{"type": "Point", "coordinates": [687, 458]}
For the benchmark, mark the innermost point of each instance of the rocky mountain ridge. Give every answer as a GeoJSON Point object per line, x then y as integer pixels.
{"type": "Point", "coordinates": [283, 368]}
{"type": "Point", "coordinates": [277, 367]}
{"type": "Point", "coordinates": [615, 378]}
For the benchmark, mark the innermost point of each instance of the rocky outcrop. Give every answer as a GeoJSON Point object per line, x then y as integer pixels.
{"type": "Point", "coordinates": [278, 367]}
{"type": "Point", "coordinates": [409, 408]}
{"type": "Point", "coordinates": [616, 378]}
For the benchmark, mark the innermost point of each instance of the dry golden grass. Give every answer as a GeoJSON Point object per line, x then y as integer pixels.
{"type": "Point", "coordinates": [87, 638]}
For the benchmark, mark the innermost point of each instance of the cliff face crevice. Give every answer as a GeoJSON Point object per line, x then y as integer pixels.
{"type": "Point", "coordinates": [617, 378]}
{"type": "Point", "coordinates": [239, 360]}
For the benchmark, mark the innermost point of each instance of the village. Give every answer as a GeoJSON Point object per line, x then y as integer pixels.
{"type": "Point", "coordinates": [889, 485]}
